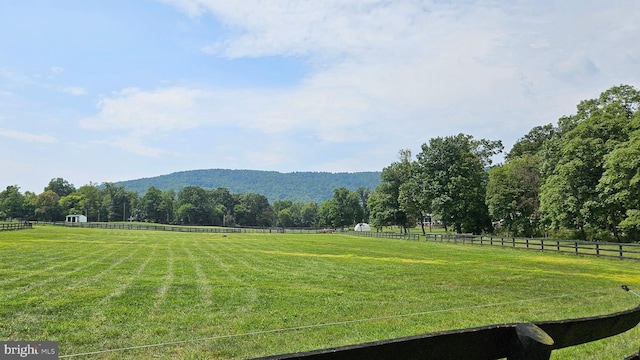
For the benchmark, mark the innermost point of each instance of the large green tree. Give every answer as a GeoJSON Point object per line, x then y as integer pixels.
{"type": "Point", "coordinates": [619, 187]}
{"type": "Point", "coordinates": [29, 207]}
{"type": "Point", "coordinates": [90, 203]}
{"type": "Point", "coordinates": [253, 210]}
{"type": "Point", "coordinates": [151, 204]}
{"type": "Point", "coordinates": [283, 209]}
{"type": "Point", "coordinates": [167, 206]}
{"type": "Point", "coordinates": [378, 217]}
{"type": "Point", "coordinates": [512, 195]}
{"type": "Point", "coordinates": [72, 203]}
{"type": "Point", "coordinates": [385, 207]}
{"type": "Point", "coordinates": [414, 200]}
{"type": "Point", "coordinates": [570, 197]}
{"type": "Point", "coordinates": [342, 210]}
{"type": "Point", "coordinates": [194, 206]}
{"type": "Point", "coordinates": [61, 187]}
{"type": "Point", "coordinates": [309, 215]}
{"type": "Point", "coordinates": [453, 171]}
{"type": "Point", "coordinates": [532, 142]}
{"type": "Point", "coordinates": [295, 214]}
{"type": "Point", "coordinates": [12, 202]}
{"type": "Point", "coordinates": [224, 203]}
{"type": "Point", "coordinates": [47, 207]}
{"type": "Point", "coordinates": [117, 202]}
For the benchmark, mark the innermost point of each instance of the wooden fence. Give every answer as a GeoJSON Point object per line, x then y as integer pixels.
{"type": "Point", "coordinates": [577, 247]}
{"type": "Point", "coordinates": [522, 341]}
{"type": "Point", "coordinates": [384, 235]}
{"type": "Point", "coordinates": [180, 228]}
{"type": "Point", "coordinates": [156, 227]}
{"type": "Point", "coordinates": [15, 226]}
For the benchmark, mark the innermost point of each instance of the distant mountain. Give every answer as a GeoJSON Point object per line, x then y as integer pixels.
{"type": "Point", "coordinates": [296, 186]}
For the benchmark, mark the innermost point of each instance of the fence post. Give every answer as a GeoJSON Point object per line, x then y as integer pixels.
{"type": "Point", "coordinates": [597, 249]}
{"type": "Point", "coordinates": [534, 343]}
{"type": "Point", "coordinates": [621, 251]}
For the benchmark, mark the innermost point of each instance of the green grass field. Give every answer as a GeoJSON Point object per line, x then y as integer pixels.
{"type": "Point", "coordinates": [122, 294]}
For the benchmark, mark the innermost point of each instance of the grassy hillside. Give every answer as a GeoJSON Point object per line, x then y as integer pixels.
{"type": "Point", "coordinates": [174, 295]}
{"type": "Point", "coordinates": [297, 186]}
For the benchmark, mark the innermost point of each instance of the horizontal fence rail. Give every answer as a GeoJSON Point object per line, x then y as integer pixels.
{"type": "Point", "coordinates": [182, 228]}
{"type": "Point", "coordinates": [155, 227]}
{"type": "Point", "coordinates": [15, 226]}
{"type": "Point", "coordinates": [384, 235]}
{"type": "Point", "coordinates": [577, 247]}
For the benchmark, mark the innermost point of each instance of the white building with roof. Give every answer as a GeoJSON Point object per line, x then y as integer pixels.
{"type": "Point", "coordinates": [76, 218]}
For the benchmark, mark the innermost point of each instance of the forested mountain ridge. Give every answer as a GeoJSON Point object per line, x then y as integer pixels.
{"type": "Point", "coordinates": [296, 186]}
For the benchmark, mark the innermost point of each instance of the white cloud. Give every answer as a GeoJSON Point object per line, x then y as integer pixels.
{"type": "Point", "coordinates": [74, 90]}
{"type": "Point", "coordinates": [135, 145]}
{"type": "Point", "coordinates": [27, 137]}
{"type": "Point", "coordinates": [409, 54]}
{"type": "Point", "coordinates": [400, 71]}
{"type": "Point", "coordinates": [149, 111]}
{"type": "Point", "coordinates": [326, 29]}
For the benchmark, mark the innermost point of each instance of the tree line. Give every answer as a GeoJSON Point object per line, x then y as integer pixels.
{"type": "Point", "coordinates": [192, 205]}
{"type": "Point", "coordinates": [577, 179]}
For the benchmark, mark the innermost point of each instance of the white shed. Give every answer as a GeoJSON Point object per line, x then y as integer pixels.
{"type": "Point", "coordinates": [362, 227]}
{"type": "Point", "coordinates": [76, 218]}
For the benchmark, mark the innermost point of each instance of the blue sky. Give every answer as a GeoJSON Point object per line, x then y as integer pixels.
{"type": "Point", "coordinates": [96, 91]}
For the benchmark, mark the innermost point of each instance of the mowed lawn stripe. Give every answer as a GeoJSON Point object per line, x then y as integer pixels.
{"type": "Point", "coordinates": [125, 316]}
{"type": "Point", "coordinates": [36, 258]}
{"type": "Point", "coordinates": [232, 295]}
{"type": "Point", "coordinates": [126, 281]}
{"type": "Point", "coordinates": [155, 288]}
{"type": "Point", "coordinates": [167, 278]}
{"type": "Point", "coordinates": [188, 309]}
{"type": "Point", "coordinates": [203, 280]}
{"type": "Point", "coordinates": [64, 275]}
